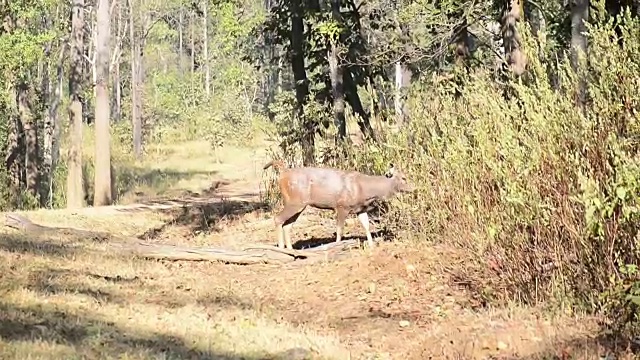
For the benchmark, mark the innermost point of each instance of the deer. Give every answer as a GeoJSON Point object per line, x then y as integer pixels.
{"type": "Point", "coordinates": [344, 192]}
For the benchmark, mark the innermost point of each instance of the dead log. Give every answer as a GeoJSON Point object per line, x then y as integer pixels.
{"type": "Point", "coordinates": [255, 254]}
{"type": "Point", "coordinates": [21, 223]}
{"type": "Point", "coordinates": [343, 245]}
{"type": "Point", "coordinates": [293, 253]}
{"type": "Point", "coordinates": [172, 252]}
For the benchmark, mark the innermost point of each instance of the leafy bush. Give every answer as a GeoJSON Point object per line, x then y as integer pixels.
{"type": "Point", "coordinates": [544, 196]}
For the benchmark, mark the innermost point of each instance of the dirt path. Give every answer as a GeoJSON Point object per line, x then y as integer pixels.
{"type": "Point", "coordinates": [396, 303]}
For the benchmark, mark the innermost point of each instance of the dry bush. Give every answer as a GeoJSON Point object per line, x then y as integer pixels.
{"type": "Point", "coordinates": [542, 195]}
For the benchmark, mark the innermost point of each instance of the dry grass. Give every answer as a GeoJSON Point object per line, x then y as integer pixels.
{"type": "Point", "coordinates": [66, 297]}
{"type": "Point", "coordinates": [176, 170]}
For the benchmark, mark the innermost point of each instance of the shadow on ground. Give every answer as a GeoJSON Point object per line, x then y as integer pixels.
{"type": "Point", "coordinates": [382, 235]}
{"type": "Point", "coordinates": [95, 338]}
{"type": "Point", "coordinates": [603, 346]}
{"type": "Point", "coordinates": [206, 218]}
{"type": "Point", "coordinates": [54, 281]}
{"type": "Point", "coordinates": [87, 335]}
{"type": "Point", "coordinates": [22, 244]}
{"type": "Point", "coordinates": [161, 180]}
{"type": "Point", "coordinates": [62, 281]}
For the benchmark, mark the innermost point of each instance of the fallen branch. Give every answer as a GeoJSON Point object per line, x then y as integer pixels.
{"type": "Point", "coordinates": [343, 245]}
{"type": "Point", "coordinates": [171, 252]}
{"type": "Point", "coordinates": [254, 254]}
{"type": "Point", "coordinates": [294, 253]}
{"type": "Point", "coordinates": [21, 223]}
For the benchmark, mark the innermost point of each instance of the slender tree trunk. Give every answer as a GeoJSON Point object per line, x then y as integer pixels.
{"type": "Point", "coordinates": [102, 188]}
{"type": "Point", "coordinates": [397, 99]}
{"type": "Point", "coordinates": [463, 45]}
{"type": "Point", "coordinates": [136, 109]}
{"type": "Point", "coordinates": [52, 129]}
{"type": "Point", "coordinates": [579, 16]}
{"type": "Point", "coordinates": [193, 43]}
{"type": "Point", "coordinates": [271, 76]}
{"type": "Point", "coordinates": [180, 40]}
{"type": "Point", "coordinates": [46, 89]}
{"type": "Point", "coordinates": [335, 72]}
{"type": "Point", "coordinates": [279, 74]}
{"type": "Point", "coordinates": [118, 92]}
{"type": "Point", "coordinates": [402, 80]}
{"type": "Point", "coordinates": [117, 113]}
{"type": "Point", "coordinates": [205, 48]}
{"type": "Point", "coordinates": [351, 94]}
{"type": "Point", "coordinates": [533, 15]}
{"type": "Point", "coordinates": [75, 190]}
{"type": "Point", "coordinates": [301, 84]}
{"type": "Point", "coordinates": [94, 53]}
{"type": "Point", "coordinates": [516, 59]}
{"type": "Point", "coordinates": [14, 160]}
{"type": "Point", "coordinates": [336, 76]}
{"type": "Point", "coordinates": [351, 88]}
{"type": "Point", "coordinates": [30, 128]}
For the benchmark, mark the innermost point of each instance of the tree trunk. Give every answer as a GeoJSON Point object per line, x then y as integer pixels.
{"type": "Point", "coordinates": [337, 87]}
{"type": "Point", "coordinates": [301, 84]}
{"type": "Point", "coordinates": [102, 188]}
{"type": "Point", "coordinates": [94, 54]}
{"type": "Point", "coordinates": [205, 48]}
{"type": "Point", "coordinates": [279, 73]}
{"type": "Point", "coordinates": [516, 59]}
{"type": "Point", "coordinates": [533, 15]}
{"type": "Point", "coordinates": [271, 75]}
{"type": "Point", "coordinates": [117, 104]}
{"type": "Point", "coordinates": [180, 39]}
{"type": "Point", "coordinates": [47, 94]}
{"type": "Point", "coordinates": [75, 190]}
{"type": "Point", "coordinates": [136, 108]}
{"type": "Point", "coordinates": [192, 24]}
{"type": "Point", "coordinates": [579, 16]}
{"type": "Point", "coordinates": [52, 129]}
{"type": "Point", "coordinates": [351, 93]}
{"type": "Point", "coordinates": [336, 76]}
{"type": "Point", "coordinates": [463, 45]}
{"type": "Point", "coordinates": [403, 79]}
{"type": "Point", "coordinates": [351, 88]}
{"type": "Point", "coordinates": [117, 113]}
{"type": "Point", "coordinates": [14, 160]}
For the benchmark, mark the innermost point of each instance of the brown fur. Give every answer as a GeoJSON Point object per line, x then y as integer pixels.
{"type": "Point", "coordinates": [345, 192]}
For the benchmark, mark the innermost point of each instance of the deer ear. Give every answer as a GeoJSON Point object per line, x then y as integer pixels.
{"type": "Point", "coordinates": [391, 171]}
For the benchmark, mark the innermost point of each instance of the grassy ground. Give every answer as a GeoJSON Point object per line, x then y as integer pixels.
{"type": "Point", "coordinates": [68, 298]}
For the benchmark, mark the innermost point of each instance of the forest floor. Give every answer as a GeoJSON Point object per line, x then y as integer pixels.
{"type": "Point", "coordinates": [69, 298]}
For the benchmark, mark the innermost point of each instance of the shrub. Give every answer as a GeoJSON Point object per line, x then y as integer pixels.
{"type": "Point", "coordinates": [541, 194]}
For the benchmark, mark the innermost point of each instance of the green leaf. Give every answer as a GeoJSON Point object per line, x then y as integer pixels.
{"type": "Point", "coordinates": [635, 299]}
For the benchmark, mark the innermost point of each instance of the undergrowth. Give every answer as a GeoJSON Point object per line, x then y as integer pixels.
{"type": "Point", "coordinates": [541, 193]}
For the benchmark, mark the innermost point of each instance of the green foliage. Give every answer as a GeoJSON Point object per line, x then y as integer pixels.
{"type": "Point", "coordinates": [543, 195]}
{"type": "Point", "coordinates": [289, 129]}
{"type": "Point", "coordinates": [622, 299]}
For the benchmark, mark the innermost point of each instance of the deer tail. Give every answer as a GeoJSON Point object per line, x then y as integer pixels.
{"type": "Point", "coordinates": [278, 165]}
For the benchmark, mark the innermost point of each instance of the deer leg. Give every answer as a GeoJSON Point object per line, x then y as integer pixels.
{"type": "Point", "coordinates": [341, 216]}
{"type": "Point", "coordinates": [364, 220]}
{"type": "Point", "coordinates": [284, 221]}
